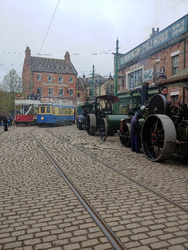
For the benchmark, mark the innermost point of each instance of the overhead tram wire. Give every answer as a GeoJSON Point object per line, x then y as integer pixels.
{"type": "Point", "coordinates": [92, 53]}
{"type": "Point", "coordinates": [49, 26]}
{"type": "Point", "coordinates": [100, 53]}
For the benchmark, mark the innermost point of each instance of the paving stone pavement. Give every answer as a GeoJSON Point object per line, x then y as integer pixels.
{"type": "Point", "coordinates": [39, 211]}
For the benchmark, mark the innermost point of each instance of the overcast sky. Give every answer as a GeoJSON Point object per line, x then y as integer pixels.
{"type": "Point", "coordinates": [88, 29]}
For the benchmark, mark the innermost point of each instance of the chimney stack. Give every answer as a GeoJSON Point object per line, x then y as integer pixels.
{"type": "Point", "coordinates": [27, 52]}
{"type": "Point", "coordinates": [154, 32]}
{"type": "Point", "coordinates": [67, 56]}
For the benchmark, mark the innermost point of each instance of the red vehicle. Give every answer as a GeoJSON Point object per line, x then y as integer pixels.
{"type": "Point", "coordinates": [24, 119]}
{"type": "Point", "coordinates": [26, 111]}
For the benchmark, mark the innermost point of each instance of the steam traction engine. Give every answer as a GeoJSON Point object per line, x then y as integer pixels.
{"type": "Point", "coordinates": [164, 130]}
{"type": "Point", "coordinates": [102, 118]}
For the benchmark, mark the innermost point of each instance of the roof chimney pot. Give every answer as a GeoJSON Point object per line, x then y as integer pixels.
{"type": "Point", "coordinates": [27, 52]}
{"type": "Point", "coordinates": [67, 56]}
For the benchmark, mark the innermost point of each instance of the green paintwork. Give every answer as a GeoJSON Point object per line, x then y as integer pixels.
{"type": "Point", "coordinates": [113, 121]}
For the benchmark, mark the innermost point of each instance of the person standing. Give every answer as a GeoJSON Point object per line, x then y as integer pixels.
{"type": "Point", "coordinates": [135, 131]}
{"type": "Point", "coordinates": [10, 120]}
{"type": "Point", "coordinates": [5, 122]}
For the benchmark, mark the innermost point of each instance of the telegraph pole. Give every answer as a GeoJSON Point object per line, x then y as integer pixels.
{"type": "Point", "coordinates": [99, 85]}
{"type": "Point", "coordinates": [116, 76]}
{"type": "Point", "coordinates": [93, 82]}
{"type": "Point", "coordinates": [116, 69]}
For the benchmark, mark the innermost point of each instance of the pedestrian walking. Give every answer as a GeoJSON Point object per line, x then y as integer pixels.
{"type": "Point", "coordinates": [135, 131]}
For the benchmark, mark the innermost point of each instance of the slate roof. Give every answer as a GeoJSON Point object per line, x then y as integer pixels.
{"type": "Point", "coordinates": [49, 65]}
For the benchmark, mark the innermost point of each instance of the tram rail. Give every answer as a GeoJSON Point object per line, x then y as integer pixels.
{"type": "Point", "coordinates": [116, 243]}
{"type": "Point", "coordinates": [123, 174]}
{"type": "Point", "coordinates": [40, 199]}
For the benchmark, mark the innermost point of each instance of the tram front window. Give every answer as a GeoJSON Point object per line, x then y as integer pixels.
{"type": "Point", "coordinates": [48, 110]}
{"type": "Point", "coordinates": [42, 110]}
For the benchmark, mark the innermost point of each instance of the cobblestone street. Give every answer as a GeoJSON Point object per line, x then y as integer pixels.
{"type": "Point", "coordinates": [38, 210]}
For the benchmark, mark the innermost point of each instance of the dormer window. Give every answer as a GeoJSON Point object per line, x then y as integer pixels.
{"type": "Point", "coordinates": [50, 78]}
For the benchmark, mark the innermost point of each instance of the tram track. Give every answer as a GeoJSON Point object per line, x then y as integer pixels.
{"type": "Point", "coordinates": [132, 212]}
{"type": "Point", "coordinates": [115, 241]}
{"type": "Point", "coordinates": [51, 214]}
{"type": "Point", "coordinates": [124, 174]}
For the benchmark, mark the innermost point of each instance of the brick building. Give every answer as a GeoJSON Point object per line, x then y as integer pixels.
{"type": "Point", "coordinates": [81, 90]}
{"type": "Point", "coordinates": [102, 86]}
{"type": "Point", "coordinates": [85, 88]}
{"type": "Point", "coordinates": [157, 60]}
{"type": "Point", "coordinates": [106, 87]}
{"type": "Point", "coordinates": [54, 79]}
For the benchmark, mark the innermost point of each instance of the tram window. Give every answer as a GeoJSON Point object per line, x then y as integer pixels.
{"type": "Point", "coordinates": [48, 110]}
{"type": "Point", "coordinates": [69, 111]}
{"type": "Point", "coordinates": [42, 109]}
{"type": "Point", "coordinates": [53, 110]}
{"type": "Point", "coordinates": [59, 111]}
{"type": "Point", "coordinates": [64, 111]}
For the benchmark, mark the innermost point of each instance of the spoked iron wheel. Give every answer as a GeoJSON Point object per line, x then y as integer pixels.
{"type": "Point", "coordinates": [158, 137]}
{"type": "Point", "coordinates": [103, 129]}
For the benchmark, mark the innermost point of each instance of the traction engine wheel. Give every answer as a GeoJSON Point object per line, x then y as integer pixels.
{"type": "Point", "coordinates": [91, 124]}
{"type": "Point", "coordinates": [125, 138]}
{"type": "Point", "coordinates": [103, 129]}
{"type": "Point", "coordinates": [158, 105]}
{"type": "Point", "coordinates": [158, 137]}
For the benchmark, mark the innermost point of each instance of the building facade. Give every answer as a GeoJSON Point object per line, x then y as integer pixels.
{"type": "Point", "coordinates": [106, 87]}
{"type": "Point", "coordinates": [81, 91]}
{"type": "Point", "coordinates": [156, 60]}
{"type": "Point", "coordinates": [51, 79]}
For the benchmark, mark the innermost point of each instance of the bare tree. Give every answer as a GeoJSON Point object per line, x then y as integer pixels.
{"type": "Point", "coordinates": [12, 82]}
{"type": "Point", "coordinates": [10, 87]}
